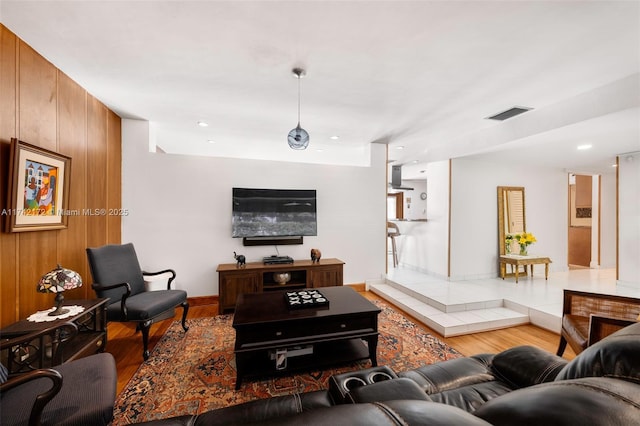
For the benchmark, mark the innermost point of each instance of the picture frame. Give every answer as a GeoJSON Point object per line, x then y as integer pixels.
{"type": "Point", "coordinates": [38, 194]}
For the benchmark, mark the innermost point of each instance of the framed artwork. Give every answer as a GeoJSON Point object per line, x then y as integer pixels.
{"type": "Point", "coordinates": [580, 216]}
{"type": "Point", "coordinates": [38, 189]}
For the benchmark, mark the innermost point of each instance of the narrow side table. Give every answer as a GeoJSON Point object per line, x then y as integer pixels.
{"type": "Point", "coordinates": [41, 353]}
{"type": "Point", "coordinates": [517, 260]}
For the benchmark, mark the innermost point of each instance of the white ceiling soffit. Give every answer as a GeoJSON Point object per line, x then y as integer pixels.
{"type": "Point", "coordinates": [419, 74]}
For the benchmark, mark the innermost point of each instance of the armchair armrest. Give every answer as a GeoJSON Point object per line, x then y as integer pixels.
{"type": "Point", "coordinates": [123, 302]}
{"type": "Point", "coordinates": [43, 398]}
{"type": "Point", "coordinates": [601, 326]}
{"type": "Point", "coordinates": [164, 271]}
{"type": "Point", "coordinates": [524, 366]}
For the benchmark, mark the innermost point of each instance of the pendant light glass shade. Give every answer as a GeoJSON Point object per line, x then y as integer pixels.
{"type": "Point", "coordinates": [298, 138]}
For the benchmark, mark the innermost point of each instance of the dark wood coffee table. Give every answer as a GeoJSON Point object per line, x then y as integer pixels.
{"type": "Point", "coordinates": [273, 339]}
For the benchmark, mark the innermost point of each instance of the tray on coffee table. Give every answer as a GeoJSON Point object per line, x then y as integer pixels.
{"type": "Point", "coordinates": [305, 299]}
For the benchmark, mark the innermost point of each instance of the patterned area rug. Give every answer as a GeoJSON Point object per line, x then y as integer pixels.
{"type": "Point", "coordinates": [194, 372]}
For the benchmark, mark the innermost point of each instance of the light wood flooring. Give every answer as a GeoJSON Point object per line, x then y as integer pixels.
{"type": "Point", "coordinates": [126, 345]}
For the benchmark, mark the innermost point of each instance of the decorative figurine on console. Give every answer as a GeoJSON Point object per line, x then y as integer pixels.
{"type": "Point", "coordinates": [315, 255]}
{"type": "Point", "coordinates": [240, 259]}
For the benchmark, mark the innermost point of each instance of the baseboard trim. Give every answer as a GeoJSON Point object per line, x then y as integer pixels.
{"type": "Point", "coordinates": [213, 300]}
{"type": "Point", "coordinates": [357, 287]}
{"type": "Point", "coordinates": [202, 300]}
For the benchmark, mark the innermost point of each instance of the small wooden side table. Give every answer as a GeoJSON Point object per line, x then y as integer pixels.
{"type": "Point", "coordinates": [90, 339]}
{"type": "Point", "coordinates": [516, 260]}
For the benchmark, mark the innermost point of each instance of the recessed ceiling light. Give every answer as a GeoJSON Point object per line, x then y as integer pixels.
{"type": "Point", "coordinates": [415, 162]}
{"type": "Point", "coordinates": [319, 150]}
{"type": "Point", "coordinates": [334, 137]}
{"type": "Point", "coordinates": [583, 147]}
{"type": "Point", "coordinates": [202, 124]}
{"type": "Point", "coordinates": [211, 141]}
{"type": "Point", "coordinates": [614, 165]}
{"type": "Point", "coordinates": [399, 147]}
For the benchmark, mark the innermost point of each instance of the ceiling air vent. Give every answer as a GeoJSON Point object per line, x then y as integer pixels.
{"type": "Point", "coordinates": [511, 112]}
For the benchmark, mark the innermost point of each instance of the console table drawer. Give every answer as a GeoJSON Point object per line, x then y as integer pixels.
{"type": "Point", "coordinates": [344, 325]}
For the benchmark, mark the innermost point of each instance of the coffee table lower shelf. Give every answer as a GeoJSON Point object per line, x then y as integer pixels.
{"type": "Point", "coordinates": [262, 363]}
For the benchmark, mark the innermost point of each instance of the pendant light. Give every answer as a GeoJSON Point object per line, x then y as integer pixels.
{"type": "Point", "coordinates": [298, 137]}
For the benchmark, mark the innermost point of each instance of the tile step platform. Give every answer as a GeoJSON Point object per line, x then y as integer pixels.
{"type": "Point", "coordinates": [455, 319]}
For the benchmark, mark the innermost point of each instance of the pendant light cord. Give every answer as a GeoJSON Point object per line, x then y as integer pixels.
{"type": "Point", "coordinates": [299, 100]}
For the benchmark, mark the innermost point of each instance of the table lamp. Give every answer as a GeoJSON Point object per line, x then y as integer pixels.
{"type": "Point", "coordinates": [58, 281]}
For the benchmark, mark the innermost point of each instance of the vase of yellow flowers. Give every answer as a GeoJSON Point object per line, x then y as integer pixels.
{"type": "Point", "coordinates": [524, 240]}
{"type": "Point", "coordinates": [508, 241]}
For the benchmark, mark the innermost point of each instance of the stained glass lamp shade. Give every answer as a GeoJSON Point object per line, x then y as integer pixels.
{"type": "Point", "coordinates": [58, 281]}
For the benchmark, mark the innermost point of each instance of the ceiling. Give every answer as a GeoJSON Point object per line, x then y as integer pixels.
{"type": "Point", "coordinates": [423, 75]}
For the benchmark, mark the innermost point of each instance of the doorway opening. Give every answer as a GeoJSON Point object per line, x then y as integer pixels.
{"type": "Point", "coordinates": [584, 224]}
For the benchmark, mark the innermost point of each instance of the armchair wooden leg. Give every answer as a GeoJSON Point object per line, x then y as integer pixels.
{"type": "Point", "coordinates": [185, 309]}
{"type": "Point", "coordinates": [144, 327]}
{"type": "Point", "coordinates": [562, 346]}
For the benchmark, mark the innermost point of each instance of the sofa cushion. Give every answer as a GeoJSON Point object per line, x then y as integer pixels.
{"type": "Point", "coordinates": [147, 305]}
{"type": "Point", "coordinates": [430, 413]}
{"type": "Point", "coordinates": [577, 329]}
{"type": "Point", "coordinates": [591, 401]}
{"type": "Point", "coordinates": [524, 366]}
{"type": "Point", "coordinates": [614, 356]}
{"type": "Point", "coordinates": [452, 374]}
{"type": "Point", "coordinates": [254, 412]}
{"type": "Point", "coordinates": [469, 398]}
{"type": "Point", "coordinates": [396, 413]}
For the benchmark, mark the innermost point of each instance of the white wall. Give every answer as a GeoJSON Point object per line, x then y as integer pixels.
{"type": "Point", "coordinates": [424, 245]}
{"type": "Point", "coordinates": [629, 217]}
{"type": "Point", "coordinates": [608, 220]}
{"type": "Point", "coordinates": [474, 214]}
{"type": "Point", "coordinates": [180, 210]}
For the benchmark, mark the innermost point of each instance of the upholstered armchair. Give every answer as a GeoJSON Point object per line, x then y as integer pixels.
{"type": "Point", "coordinates": [117, 275]}
{"type": "Point", "coordinates": [589, 317]}
{"type": "Point", "coordinates": [80, 392]}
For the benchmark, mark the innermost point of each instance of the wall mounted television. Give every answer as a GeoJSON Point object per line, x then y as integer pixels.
{"type": "Point", "coordinates": [272, 213]}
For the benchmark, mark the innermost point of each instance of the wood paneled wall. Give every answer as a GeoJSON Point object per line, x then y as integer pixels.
{"type": "Point", "coordinates": [42, 106]}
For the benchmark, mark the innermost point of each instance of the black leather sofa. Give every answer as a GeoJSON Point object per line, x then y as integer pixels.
{"type": "Point", "coordinates": [520, 386]}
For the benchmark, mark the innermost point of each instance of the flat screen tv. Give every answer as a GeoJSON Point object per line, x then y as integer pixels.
{"type": "Point", "coordinates": [273, 213]}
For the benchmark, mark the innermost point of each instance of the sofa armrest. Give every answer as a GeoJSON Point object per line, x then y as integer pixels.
{"type": "Point", "coordinates": [254, 412]}
{"type": "Point", "coordinates": [525, 366]}
{"type": "Point", "coordinates": [452, 374]}
{"type": "Point", "coordinates": [389, 390]}
{"type": "Point", "coordinates": [590, 401]}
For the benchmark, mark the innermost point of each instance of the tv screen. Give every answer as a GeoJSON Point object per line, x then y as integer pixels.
{"type": "Point", "coordinates": [274, 213]}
